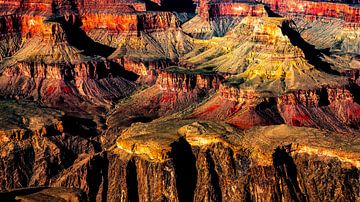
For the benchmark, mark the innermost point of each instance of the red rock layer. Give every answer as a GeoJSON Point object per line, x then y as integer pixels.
{"type": "Point", "coordinates": [148, 71]}
{"type": "Point", "coordinates": [209, 10]}
{"type": "Point", "coordinates": [186, 82]}
{"type": "Point", "coordinates": [77, 6]}
{"type": "Point", "coordinates": [312, 9]}
{"type": "Point", "coordinates": [95, 6]}
{"type": "Point", "coordinates": [56, 85]}
{"type": "Point", "coordinates": [331, 108]}
{"type": "Point", "coordinates": [130, 22]}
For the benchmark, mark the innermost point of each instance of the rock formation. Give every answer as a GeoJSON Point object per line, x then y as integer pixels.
{"type": "Point", "coordinates": [165, 100]}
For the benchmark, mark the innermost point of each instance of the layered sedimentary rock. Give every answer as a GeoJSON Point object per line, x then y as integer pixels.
{"type": "Point", "coordinates": [133, 23]}
{"type": "Point", "coordinates": [255, 88]}
{"type": "Point", "coordinates": [37, 144]}
{"type": "Point", "coordinates": [214, 9]}
{"type": "Point", "coordinates": [313, 9]}
{"type": "Point", "coordinates": [247, 50]}
{"type": "Point", "coordinates": [266, 163]}
{"type": "Point", "coordinates": [215, 18]}
{"type": "Point", "coordinates": [246, 101]}
{"type": "Point", "coordinates": [50, 69]}
{"type": "Point", "coordinates": [176, 89]}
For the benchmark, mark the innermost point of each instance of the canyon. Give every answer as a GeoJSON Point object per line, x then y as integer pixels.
{"type": "Point", "coordinates": [196, 100]}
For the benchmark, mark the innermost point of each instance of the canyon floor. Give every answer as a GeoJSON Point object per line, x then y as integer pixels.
{"type": "Point", "coordinates": [166, 100]}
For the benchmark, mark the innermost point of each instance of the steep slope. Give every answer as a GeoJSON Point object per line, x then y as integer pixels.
{"type": "Point", "coordinates": [51, 70]}
{"type": "Point", "coordinates": [132, 100]}
{"type": "Point", "coordinates": [198, 160]}
{"type": "Point", "coordinates": [246, 52]}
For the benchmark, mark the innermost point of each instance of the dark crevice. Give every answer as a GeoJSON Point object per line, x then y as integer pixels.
{"type": "Point", "coordinates": [105, 177]}
{"type": "Point", "coordinates": [118, 70]}
{"type": "Point", "coordinates": [187, 6]}
{"type": "Point", "coordinates": [79, 126]}
{"type": "Point", "coordinates": [97, 166]}
{"type": "Point", "coordinates": [271, 13]}
{"type": "Point", "coordinates": [354, 90]}
{"type": "Point", "coordinates": [214, 178]}
{"type": "Point", "coordinates": [324, 98]}
{"type": "Point", "coordinates": [286, 170]}
{"type": "Point", "coordinates": [185, 170]}
{"type": "Point", "coordinates": [269, 111]}
{"type": "Point", "coordinates": [351, 176]}
{"type": "Point", "coordinates": [151, 6]}
{"type": "Point", "coordinates": [132, 182]}
{"type": "Point", "coordinates": [313, 55]}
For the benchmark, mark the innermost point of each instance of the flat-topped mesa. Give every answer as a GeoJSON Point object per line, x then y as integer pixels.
{"type": "Point", "coordinates": [134, 22]}
{"type": "Point", "coordinates": [212, 9]}
{"type": "Point", "coordinates": [183, 81]}
{"type": "Point", "coordinates": [314, 9]}
{"type": "Point", "coordinates": [262, 157]}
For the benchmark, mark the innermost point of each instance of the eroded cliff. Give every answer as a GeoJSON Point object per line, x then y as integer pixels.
{"type": "Point", "coordinates": [168, 100]}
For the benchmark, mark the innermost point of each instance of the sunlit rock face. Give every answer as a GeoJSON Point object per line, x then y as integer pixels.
{"type": "Point", "coordinates": [216, 154]}
{"type": "Point", "coordinates": [169, 100]}
{"type": "Point", "coordinates": [215, 18]}
{"type": "Point", "coordinates": [313, 9]}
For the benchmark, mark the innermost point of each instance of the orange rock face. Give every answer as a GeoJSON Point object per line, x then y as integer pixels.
{"type": "Point", "coordinates": [186, 82]}
{"type": "Point", "coordinates": [150, 100]}
{"type": "Point", "coordinates": [209, 10]}
{"type": "Point", "coordinates": [348, 13]}
{"type": "Point", "coordinates": [129, 22]}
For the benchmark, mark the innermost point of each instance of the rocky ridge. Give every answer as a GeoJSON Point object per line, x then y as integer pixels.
{"type": "Point", "coordinates": [139, 101]}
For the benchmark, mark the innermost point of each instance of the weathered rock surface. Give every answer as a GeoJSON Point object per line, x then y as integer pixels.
{"type": "Point", "coordinates": [223, 163]}
{"type": "Point", "coordinates": [194, 100]}
{"type": "Point", "coordinates": [44, 194]}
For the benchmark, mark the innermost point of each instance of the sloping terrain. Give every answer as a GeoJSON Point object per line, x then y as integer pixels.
{"type": "Point", "coordinates": [169, 100]}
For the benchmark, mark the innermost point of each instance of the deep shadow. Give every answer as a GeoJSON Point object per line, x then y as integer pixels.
{"type": "Point", "coordinates": [350, 180]}
{"type": "Point", "coordinates": [269, 111]}
{"type": "Point", "coordinates": [79, 126]}
{"type": "Point", "coordinates": [271, 13]}
{"type": "Point", "coordinates": [78, 37]}
{"type": "Point", "coordinates": [313, 55]}
{"type": "Point", "coordinates": [214, 178]}
{"type": "Point", "coordinates": [151, 6]}
{"type": "Point", "coordinates": [132, 182]}
{"type": "Point", "coordinates": [10, 196]}
{"type": "Point", "coordinates": [286, 169]}
{"type": "Point", "coordinates": [324, 98]}
{"type": "Point", "coordinates": [178, 6]}
{"type": "Point", "coordinates": [354, 90]}
{"type": "Point", "coordinates": [118, 70]}
{"type": "Point", "coordinates": [105, 177]}
{"type": "Point", "coordinates": [214, 12]}
{"type": "Point", "coordinates": [185, 170]}
{"type": "Point", "coordinates": [96, 167]}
